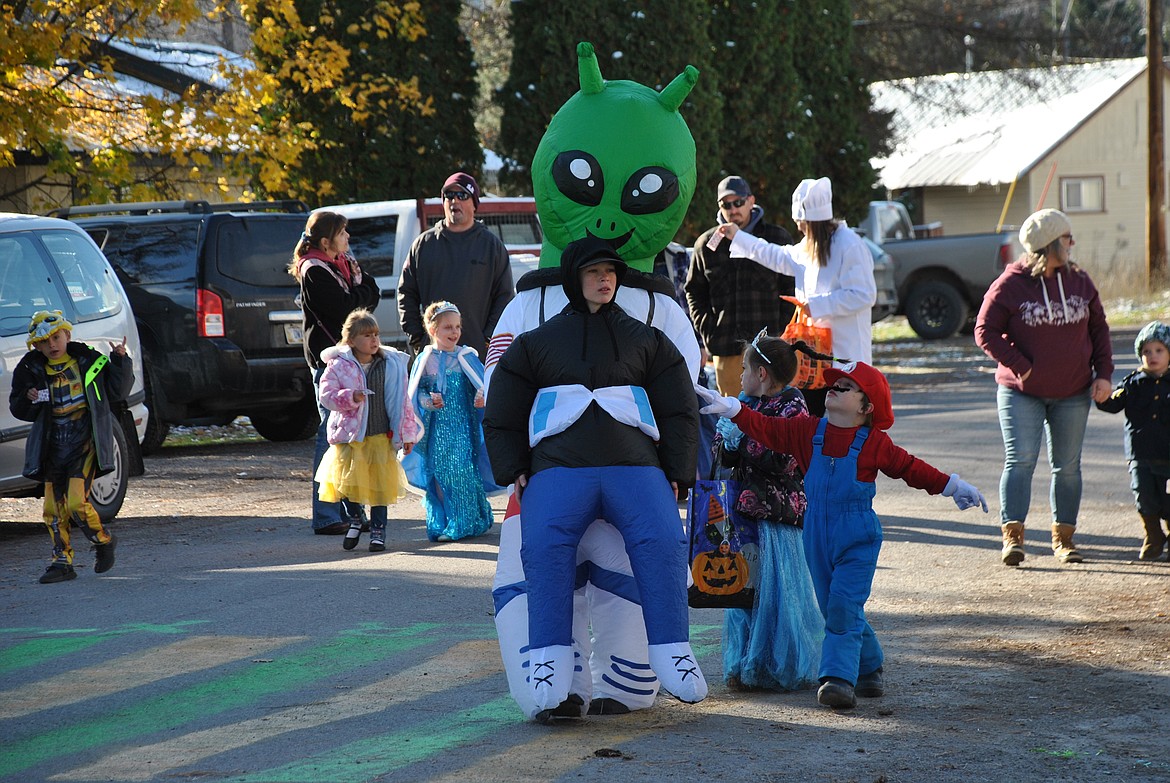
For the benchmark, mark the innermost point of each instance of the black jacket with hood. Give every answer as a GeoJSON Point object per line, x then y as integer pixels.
{"type": "Point", "coordinates": [105, 387]}
{"type": "Point", "coordinates": [596, 350]}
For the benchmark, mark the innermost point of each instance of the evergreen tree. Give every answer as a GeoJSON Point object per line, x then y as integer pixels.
{"type": "Point", "coordinates": [649, 42]}
{"type": "Point", "coordinates": [839, 102]}
{"type": "Point", "coordinates": [764, 133]}
{"type": "Point", "coordinates": [383, 92]}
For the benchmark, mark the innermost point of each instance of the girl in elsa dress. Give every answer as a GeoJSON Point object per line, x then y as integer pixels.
{"type": "Point", "coordinates": [777, 643]}
{"type": "Point", "coordinates": [450, 462]}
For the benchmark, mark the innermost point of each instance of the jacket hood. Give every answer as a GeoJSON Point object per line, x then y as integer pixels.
{"type": "Point", "coordinates": [580, 254]}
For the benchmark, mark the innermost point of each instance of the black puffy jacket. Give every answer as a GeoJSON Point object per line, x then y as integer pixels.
{"type": "Point", "coordinates": [606, 348]}
{"type": "Point", "coordinates": [108, 385]}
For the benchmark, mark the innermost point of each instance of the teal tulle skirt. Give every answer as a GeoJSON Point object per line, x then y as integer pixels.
{"type": "Point", "coordinates": [776, 645]}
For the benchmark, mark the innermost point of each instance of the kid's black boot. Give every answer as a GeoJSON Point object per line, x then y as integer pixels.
{"type": "Point", "coordinates": [105, 555]}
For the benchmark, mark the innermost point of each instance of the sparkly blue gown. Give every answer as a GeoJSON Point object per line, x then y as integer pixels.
{"type": "Point", "coordinates": [449, 453]}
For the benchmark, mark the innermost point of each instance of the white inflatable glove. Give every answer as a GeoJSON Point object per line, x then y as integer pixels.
{"type": "Point", "coordinates": [965, 495]}
{"type": "Point", "coordinates": [713, 403]}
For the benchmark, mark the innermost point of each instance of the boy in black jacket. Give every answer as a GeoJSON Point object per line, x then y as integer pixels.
{"type": "Point", "coordinates": [591, 416]}
{"type": "Point", "coordinates": [66, 389]}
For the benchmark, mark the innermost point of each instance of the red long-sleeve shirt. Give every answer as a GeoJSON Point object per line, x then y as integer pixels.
{"type": "Point", "coordinates": [794, 436]}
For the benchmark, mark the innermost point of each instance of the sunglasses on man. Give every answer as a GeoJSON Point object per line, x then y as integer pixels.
{"type": "Point", "coordinates": [733, 204]}
{"type": "Point", "coordinates": [456, 195]}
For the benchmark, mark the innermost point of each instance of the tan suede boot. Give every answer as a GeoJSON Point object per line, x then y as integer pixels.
{"type": "Point", "coordinates": [1013, 543]}
{"type": "Point", "coordinates": [1062, 543]}
{"type": "Point", "coordinates": [1154, 541]}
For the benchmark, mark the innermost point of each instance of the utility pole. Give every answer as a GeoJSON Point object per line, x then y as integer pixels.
{"type": "Point", "coordinates": [1156, 184]}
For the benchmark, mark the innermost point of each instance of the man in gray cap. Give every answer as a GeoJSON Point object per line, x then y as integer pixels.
{"type": "Point", "coordinates": [731, 301]}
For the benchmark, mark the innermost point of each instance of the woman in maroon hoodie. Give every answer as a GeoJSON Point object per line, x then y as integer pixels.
{"type": "Point", "coordinates": [1042, 321]}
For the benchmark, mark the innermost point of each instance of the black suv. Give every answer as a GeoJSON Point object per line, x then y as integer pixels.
{"type": "Point", "coordinates": [216, 311]}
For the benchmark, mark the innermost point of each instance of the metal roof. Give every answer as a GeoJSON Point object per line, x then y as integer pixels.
{"type": "Point", "coordinates": [985, 128]}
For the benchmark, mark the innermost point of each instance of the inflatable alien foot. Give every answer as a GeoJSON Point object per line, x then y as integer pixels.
{"type": "Point", "coordinates": [550, 675]}
{"type": "Point", "coordinates": [678, 671]}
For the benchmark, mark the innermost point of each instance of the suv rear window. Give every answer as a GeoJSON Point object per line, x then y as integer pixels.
{"type": "Point", "coordinates": [146, 254]}
{"type": "Point", "coordinates": [371, 240]}
{"type": "Point", "coordinates": [258, 252]}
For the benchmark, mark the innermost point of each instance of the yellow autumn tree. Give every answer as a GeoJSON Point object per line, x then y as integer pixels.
{"type": "Point", "coordinates": [71, 132]}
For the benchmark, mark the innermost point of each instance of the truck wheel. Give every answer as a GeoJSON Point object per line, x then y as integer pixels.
{"type": "Point", "coordinates": [936, 310]}
{"type": "Point", "coordinates": [297, 422]}
{"type": "Point", "coordinates": [108, 491]}
{"type": "Point", "coordinates": [156, 427]}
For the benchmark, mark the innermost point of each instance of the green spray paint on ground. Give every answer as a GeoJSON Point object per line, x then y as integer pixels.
{"type": "Point", "coordinates": [351, 650]}
{"type": "Point", "coordinates": [371, 757]}
{"type": "Point", "coordinates": [64, 643]}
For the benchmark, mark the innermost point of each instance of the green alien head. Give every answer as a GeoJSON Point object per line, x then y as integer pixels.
{"type": "Point", "coordinates": [617, 162]}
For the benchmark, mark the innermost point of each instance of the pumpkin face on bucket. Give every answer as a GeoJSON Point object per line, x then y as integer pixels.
{"type": "Point", "coordinates": [717, 573]}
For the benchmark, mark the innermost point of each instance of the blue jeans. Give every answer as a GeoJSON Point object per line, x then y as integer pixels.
{"type": "Point", "coordinates": [1022, 417]}
{"type": "Point", "coordinates": [325, 514]}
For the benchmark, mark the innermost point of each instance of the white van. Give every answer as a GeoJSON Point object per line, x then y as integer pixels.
{"type": "Point", "coordinates": [51, 264]}
{"type": "Point", "coordinates": [381, 232]}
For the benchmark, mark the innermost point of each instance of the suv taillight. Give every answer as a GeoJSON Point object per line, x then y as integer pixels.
{"type": "Point", "coordinates": [209, 313]}
{"type": "Point", "coordinates": [1005, 255]}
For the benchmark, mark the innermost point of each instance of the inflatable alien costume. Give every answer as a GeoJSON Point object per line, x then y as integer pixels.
{"type": "Point", "coordinates": [617, 162]}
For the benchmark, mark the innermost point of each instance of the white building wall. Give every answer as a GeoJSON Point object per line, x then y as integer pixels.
{"type": "Point", "coordinates": [1111, 244]}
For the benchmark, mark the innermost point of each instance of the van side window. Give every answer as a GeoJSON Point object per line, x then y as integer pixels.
{"type": "Point", "coordinates": [87, 277]}
{"type": "Point", "coordinates": [371, 240]}
{"type": "Point", "coordinates": [25, 285]}
{"type": "Point", "coordinates": [514, 228]}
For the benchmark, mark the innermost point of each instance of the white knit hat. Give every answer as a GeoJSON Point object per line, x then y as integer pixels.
{"type": "Point", "coordinates": [1043, 228]}
{"type": "Point", "coordinates": [813, 200]}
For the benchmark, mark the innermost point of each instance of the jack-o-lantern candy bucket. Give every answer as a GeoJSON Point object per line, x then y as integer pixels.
{"type": "Point", "coordinates": [724, 548]}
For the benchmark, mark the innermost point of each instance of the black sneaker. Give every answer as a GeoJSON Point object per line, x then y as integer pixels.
{"type": "Point", "coordinates": [569, 708]}
{"type": "Point", "coordinates": [377, 544]}
{"type": "Point", "coordinates": [607, 706]}
{"type": "Point", "coordinates": [58, 572]}
{"type": "Point", "coordinates": [352, 535]}
{"type": "Point", "coordinates": [871, 685]}
{"type": "Point", "coordinates": [836, 693]}
{"type": "Point", "coordinates": [105, 555]}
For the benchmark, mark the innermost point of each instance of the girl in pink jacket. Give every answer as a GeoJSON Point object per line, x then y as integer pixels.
{"type": "Point", "coordinates": [371, 417]}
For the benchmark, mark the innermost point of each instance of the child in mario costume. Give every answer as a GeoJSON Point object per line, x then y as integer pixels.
{"type": "Point", "coordinates": [841, 455]}
{"type": "Point", "coordinates": [66, 389]}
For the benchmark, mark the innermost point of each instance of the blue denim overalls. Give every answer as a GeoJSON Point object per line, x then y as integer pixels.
{"type": "Point", "coordinates": [842, 538]}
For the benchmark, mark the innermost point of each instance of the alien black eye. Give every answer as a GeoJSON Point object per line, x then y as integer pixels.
{"type": "Point", "coordinates": [649, 190]}
{"type": "Point", "coordinates": [577, 175]}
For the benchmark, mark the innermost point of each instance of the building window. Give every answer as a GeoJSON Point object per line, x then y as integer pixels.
{"type": "Point", "coordinates": [1082, 194]}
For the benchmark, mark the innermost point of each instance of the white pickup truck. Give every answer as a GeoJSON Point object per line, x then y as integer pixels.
{"type": "Point", "coordinates": [941, 280]}
{"type": "Point", "coordinates": [381, 233]}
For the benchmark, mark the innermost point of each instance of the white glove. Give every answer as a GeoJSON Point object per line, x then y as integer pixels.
{"type": "Point", "coordinates": [713, 403]}
{"type": "Point", "coordinates": [965, 495]}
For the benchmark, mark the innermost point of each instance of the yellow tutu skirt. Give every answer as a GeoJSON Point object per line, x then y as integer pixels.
{"type": "Point", "coordinates": [367, 472]}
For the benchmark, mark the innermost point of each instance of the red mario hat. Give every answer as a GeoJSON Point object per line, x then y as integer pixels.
{"type": "Point", "coordinates": [875, 386]}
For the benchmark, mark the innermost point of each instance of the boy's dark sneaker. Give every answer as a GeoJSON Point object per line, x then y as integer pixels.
{"type": "Point", "coordinates": [607, 706]}
{"type": "Point", "coordinates": [569, 708]}
{"type": "Point", "coordinates": [58, 572]}
{"type": "Point", "coordinates": [871, 685]}
{"type": "Point", "coordinates": [836, 693]}
{"type": "Point", "coordinates": [105, 555]}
